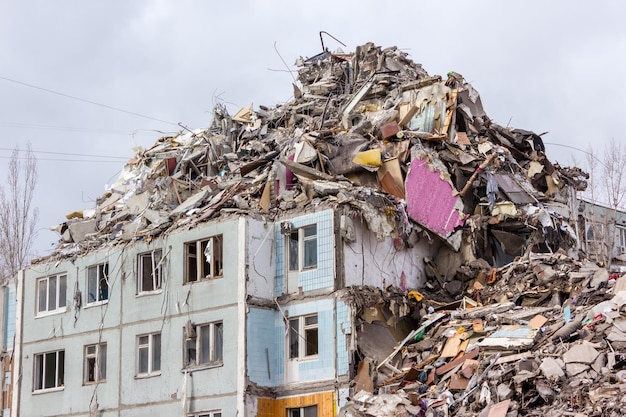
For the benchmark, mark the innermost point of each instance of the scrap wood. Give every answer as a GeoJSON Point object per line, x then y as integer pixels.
{"type": "Point", "coordinates": [480, 168]}
{"type": "Point", "coordinates": [410, 336]}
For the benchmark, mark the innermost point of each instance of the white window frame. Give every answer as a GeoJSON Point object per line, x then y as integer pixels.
{"type": "Point", "coordinates": [301, 329]}
{"type": "Point", "coordinates": [596, 228]}
{"type": "Point", "coordinates": [302, 411]}
{"type": "Point", "coordinates": [199, 339]}
{"type": "Point", "coordinates": [302, 240]}
{"type": "Point", "coordinates": [213, 413]}
{"type": "Point", "coordinates": [59, 293]}
{"type": "Point", "coordinates": [40, 364]}
{"type": "Point", "coordinates": [204, 259]}
{"type": "Point", "coordinates": [621, 239]}
{"type": "Point", "coordinates": [98, 275]}
{"type": "Point", "coordinates": [152, 349]}
{"type": "Point", "coordinates": [154, 259]}
{"type": "Point", "coordinates": [96, 358]}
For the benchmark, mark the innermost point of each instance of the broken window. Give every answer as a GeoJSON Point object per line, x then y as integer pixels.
{"type": "Point", "coordinates": [204, 344]}
{"type": "Point", "coordinates": [302, 248]}
{"type": "Point", "coordinates": [49, 370]}
{"type": "Point", "coordinates": [95, 363]}
{"type": "Point", "coordinates": [149, 271]}
{"type": "Point", "coordinates": [310, 411]}
{"type": "Point", "coordinates": [97, 283]}
{"type": "Point", "coordinates": [51, 293]}
{"type": "Point", "coordinates": [148, 354]}
{"type": "Point", "coordinates": [303, 337]}
{"type": "Point", "coordinates": [203, 259]}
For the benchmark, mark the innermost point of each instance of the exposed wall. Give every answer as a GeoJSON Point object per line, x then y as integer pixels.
{"type": "Point", "coordinates": [320, 277]}
{"type": "Point", "coordinates": [368, 261]}
{"type": "Point", "coordinates": [261, 259]}
{"type": "Point", "coordinates": [262, 349]}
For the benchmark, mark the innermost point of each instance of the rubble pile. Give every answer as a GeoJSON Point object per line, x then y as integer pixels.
{"type": "Point", "coordinates": [509, 322]}
{"type": "Point", "coordinates": [369, 131]}
{"type": "Point", "coordinates": [549, 340]}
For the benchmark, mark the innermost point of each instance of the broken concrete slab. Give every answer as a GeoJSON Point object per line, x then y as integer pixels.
{"type": "Point", "coordinates": [552, 369]}
{"type": "Point", "coordinates": [581, 353]}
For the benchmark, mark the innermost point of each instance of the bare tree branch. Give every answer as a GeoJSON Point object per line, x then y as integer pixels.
{"type": "Point", "coordinates": [18, 219]}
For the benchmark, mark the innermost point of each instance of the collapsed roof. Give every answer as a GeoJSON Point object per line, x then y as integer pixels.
{"type": "Point", "coordinates": [370, 129]}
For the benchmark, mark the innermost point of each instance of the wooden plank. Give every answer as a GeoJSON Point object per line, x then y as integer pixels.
{"type": "Point", "coordinates": [453, 363]}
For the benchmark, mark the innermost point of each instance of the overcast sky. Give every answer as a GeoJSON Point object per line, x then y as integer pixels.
{"type": "Point", "coordinates": [554, 66]}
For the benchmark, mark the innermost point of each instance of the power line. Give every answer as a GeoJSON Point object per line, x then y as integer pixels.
{"type": "Point", "coordinates": [66, 160]}
{"type": "Point", "coordinates": [579, 150]}
{"type": "Point", "coordinates": [20, 125]}
{"type": "Point", "coordinates": [47, 90]}
{"type": "Point", "coordinates": [65, 153]}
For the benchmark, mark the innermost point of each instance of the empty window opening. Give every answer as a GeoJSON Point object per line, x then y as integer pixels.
{"type": "Point", "coordinates": [149, 271]}
{"type": "Point", "coordinates": [98, 283]}
{"type": "Point", "coordinates": [204, 259]}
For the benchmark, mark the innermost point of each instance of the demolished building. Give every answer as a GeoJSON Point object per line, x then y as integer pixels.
{"type": "Point", "coordinates": [316, 257]}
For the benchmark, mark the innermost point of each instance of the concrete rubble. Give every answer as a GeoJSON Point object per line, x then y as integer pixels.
{"type": "Point", "coordinates": [511, 319]}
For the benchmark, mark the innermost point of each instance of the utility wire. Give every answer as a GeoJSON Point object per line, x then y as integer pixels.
{"type": "Point", "coordinates": [68, 160]}
{"type": "Point", "coordinates": [47, 90]}
{"type": "Point", "coordinates": [68, 154]}
{"type": "Point", "coordinates": [20, 125]}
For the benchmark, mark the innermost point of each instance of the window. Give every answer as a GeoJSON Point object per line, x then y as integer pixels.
{"type": "Point", "coordinates": [149, 354]}
{"type": "Point", "coordinates": [49, 370]}
{"type": "Point", "coordinates": [217, 413]}
{"type": "Point", "coordinates": [51, 293]}
{"type": "Point", "coordinates": [204, 344]}
{"type": "Point", "coordinates": [621, 239]}
{"type": "Point", "coordinates": [97, 283]}
{"type": "Point", "coordinates": [149, 271]}
{"type": "Point", "coordinates": [203, 259]}
{"type": "Point", "coordinates": [310, 411]}
{"type": "Point", "coordinates": [95, 363]}
{"type": "Point", "coordinates": [302, 244]}
{"type": "Point", "coordinates": [303, 337]}
{"type": "Point", "coordinates": [595, 232]}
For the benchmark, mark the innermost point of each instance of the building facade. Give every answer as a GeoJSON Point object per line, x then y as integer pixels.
{"type": "Point", "coordinates": [232, 317]}
{"type": "Point", "coordinates": [602, 232]}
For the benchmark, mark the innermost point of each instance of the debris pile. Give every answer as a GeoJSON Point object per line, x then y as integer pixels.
{"type": "Point", "coordinates": [370, 130]}
{"type": "Point", "coordinates": [509, 321]}
{"type": "Point", "coordinates": [549, 340]}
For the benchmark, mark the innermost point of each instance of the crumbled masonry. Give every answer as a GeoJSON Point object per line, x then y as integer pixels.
{"type": "Point", "coordinates": [512, 320]}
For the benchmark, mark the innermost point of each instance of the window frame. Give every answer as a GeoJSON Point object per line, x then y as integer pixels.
{"type": "Point", "coordinates": [621, 239]}
{"type": "Point", "coordinates": [212, 413]}
{"type": "Point", "coordinates": [302, 241]}
{"type": "Point", "coordinates": [593, 229]}
{"type": "Point", "coordinates": [196, 263]}
{"type": "Point", "coordinates": [298, 337]}
{"type": "Point", "coordinates": [214, 345]}
{"type": "Point", "coordinates": [156, 265]}
{"type": "Point", "coordinates": [99, 358]}
{"type": "Point", "coordinates": [60, 295]}
{"type": "Point", "coordinates": [153, 352]}
{"type": "Point", "coordinates": [101, 276]}
{"type": "Point", "coordinates": [39, 371]}
{"type": "Point", "coordinates": [302, 411]}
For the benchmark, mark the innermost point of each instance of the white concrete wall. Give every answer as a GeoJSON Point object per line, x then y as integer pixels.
{"type": "Point", "coordinates": [261, 259]}
{"type": "Point", "coordinates": [368, 261]}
